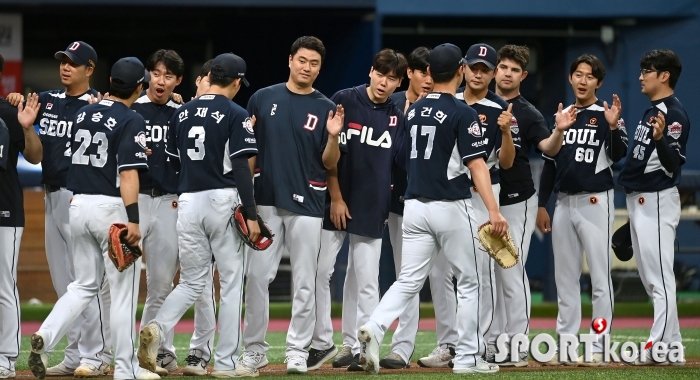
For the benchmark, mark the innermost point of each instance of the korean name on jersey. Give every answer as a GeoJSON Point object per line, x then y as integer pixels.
{"type": "Point", "coordinates": [444, 134]}
{"type": "Point", "coordinates": [205, 134]}
{"type": "Point", "coordinates": [107, 137]}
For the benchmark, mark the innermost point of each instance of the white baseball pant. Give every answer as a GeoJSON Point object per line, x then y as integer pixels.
{"type": "Point", "coordinates": [90, 218]}
{"type": "Point", "coordinates": [583, 223]}
{"type": "Point", "coordinates": [403, 342]}
{"type": "Point", "coordinates": [10, 322]}
{"type": "Point", "coordinates": [301, 236]}
{"type": "Point", "coordinates": [204, 232]}
{"type": "Point", "coordinates": [433, 228]}
{"type": "Point", "coordinates": [514, 292]}
{"type": "Point", "coordinates": [361, 288]}
{"type": "Point", "coordinates": [204, 319]}
{"type": "Point", "coordinates": [88, 337]}
{"type": "Point", "coordinates": [654, 217]}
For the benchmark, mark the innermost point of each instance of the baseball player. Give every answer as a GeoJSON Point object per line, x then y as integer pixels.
{"type": "Point", "coordinates": [585, 210]}
{"type": "Point", "coordinates": [209, 142]}
{"type": "Point", "coordinates": [297, 135]}
{"type": "Point", "coordinates": [88, 351]}
{"type": "Point", "coordinates": [404, 339]}
{"type": "Point", "coordinates": [107, 138]}
{"type": "Point", "coordinates": [518, 202]}
{"type": "Point", "coordinates": [371, 140]}
{"type": "Point", "coordinates": [16, 135]}
{"type": "Point", "coordinates": [446, 144]}
{"type": "Point", "coordinates": [205, 306]}
{"type": "Point", "coordinates": [501, 141]}
{"type": "Point", "coordinates": [651, 173]}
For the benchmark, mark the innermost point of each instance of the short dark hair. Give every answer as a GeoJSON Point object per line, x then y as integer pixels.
{"type": "Point", "coordinates": [206, 68]}
{"type": "Point", "coordinates": [220, 81]}
{"type": "Point", "coordinates": [2, 63]}
{"type": "Point", "coordinates": [443, 77]}
{"type": "Point", "coordinates": [418, 59]}
{"type": "Point", "coordinates": [591, 60]}
{"type": "Point", "coordinates": [170, 59]}
{"type": "Point", "coordinates": [311, 43]}
{"type": "Point", "coordinates": [663, 60]}
{"type": "Point", "coordinates": [121, 93]}
{"type": "Point", "coordinates": [389, 61]}
{"type": "Point", "coordinates": [516, 53]}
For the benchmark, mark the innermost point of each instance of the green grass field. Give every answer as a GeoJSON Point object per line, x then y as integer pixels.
{"type": "Point", "coordinates": [425, 342]}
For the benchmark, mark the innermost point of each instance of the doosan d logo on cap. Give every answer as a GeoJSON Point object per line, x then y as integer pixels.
{"type": "Point", "coordinates": [74, 46]}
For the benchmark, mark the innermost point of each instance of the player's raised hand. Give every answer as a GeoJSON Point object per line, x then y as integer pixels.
{"type": "Point", "coordinates": [177, 98]}
{"type": "Point", "coordinates": [252, 121]}
{"type": "Point", "coordinates": [565, 119]}
{"type": "Point", "coordinates": [133, 234]}
{"type": "Point", "coordinates": [26, 114]}
{"type": "Point", "coordinates": [505, 119]}
{"type": "Point", "coordinates": [253, 229]}
{"type": "Point", "coordinates": [14, 98]}
{"type": "Point", "coordinates": [339, 213]}
{"type": "Point", "coordinates": [612, 114]}
{"type": "Point", "coordinates": [499, 225]}
{"type": "Point", "coordinates": [543, 222]}
{"type": "Point", "coordinates": [95, 99]}
{"type": "Point", "coordinates": [335, 122]}
{"type": "Point", "coordinates": [659, 124]}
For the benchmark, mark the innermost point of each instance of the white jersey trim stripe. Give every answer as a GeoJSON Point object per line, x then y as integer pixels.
{"type": "Point", "coordinates": [474, 154]}
{"type": "Point", "coordinates": [489, 103]}
{"type": "Point", "coordinates": [317, 188]}
{"type": "Point", "coordinates": [244, 150]}
{"type": "Point", "coordinates": [132, 166]}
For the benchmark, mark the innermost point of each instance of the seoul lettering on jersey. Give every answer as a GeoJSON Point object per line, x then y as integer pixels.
{"type": "Point", "coordinates": [55, 120]}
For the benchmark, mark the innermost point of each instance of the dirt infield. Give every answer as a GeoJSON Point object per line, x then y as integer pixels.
{"type": "Point", "coordinates": [327, 369]}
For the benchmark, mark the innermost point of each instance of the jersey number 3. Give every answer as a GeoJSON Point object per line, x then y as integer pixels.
{"type": "Point", "coordinates": [198, 134]}
{"type": "Point", "coordinates": [424, 130]}
{"type": "Point", "coordinates": [84, 137]}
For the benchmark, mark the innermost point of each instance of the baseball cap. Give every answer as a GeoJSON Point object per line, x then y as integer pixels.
{"type": "Point", "coordinates": [445, 58]}
{"type": "Point", "coordinates": [79, 52]}
{"type": "Point", "coordinates": [129, 72]}
{"type": "Point", "coordinates": [229, 65]}
{"type": "Point", "coordinates": [481, 53]}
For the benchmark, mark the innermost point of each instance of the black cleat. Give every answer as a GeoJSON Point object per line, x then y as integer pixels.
{"type": "Point", "coordinates": [344, 358]}
{"type": "Point", "coordinates": [354, 365]}
{"type": "Point", "coordinates": [318, 357]}
{"type": "Point", "coordinates": [393, 361]}
{"type": "Point", "coordinates": [37, 357]}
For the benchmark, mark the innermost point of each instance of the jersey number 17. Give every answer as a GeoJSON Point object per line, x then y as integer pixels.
{"type": "Point", "coordinates": [425, 130]}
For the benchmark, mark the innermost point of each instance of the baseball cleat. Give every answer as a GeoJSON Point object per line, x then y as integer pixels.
{"type": "Point", "coordinates": [481, 367]}
{"type": "Point", "coordinates": [343, 358]}
{"type": "Point", "coordinates": [148, 346]}
{"type": "Point", "coordinates": [6, 373]}
{"type": "Point", "coordinates": [596, 360]}
{"type": "Point", "coordinates": [86, 370]}
{"type": "Point", "coordinates": [354, 365]}
{"type": "Point", "coordinates": [318, 357]}
{"type": "Point", "coordinates": [167, 361]}
{"type": "Point", "coordinates": [369, 350]}
{"type": "Point", "coordinates": [254, 359]}
{"type": "Point", "coordinates": [147, 375]}
{"type": "Point", "coordinates": [393, 361]}
{"type": "Point", "coordinates": [295, 364]}
{"type": "Point", "coordinates": [196, 366]}
{"type": "Point", "coordinates": [38, 359]}
{"type": "Point", "coordinates": [439, 358]}
{"type": "Point", "coordinates": [59, 370]}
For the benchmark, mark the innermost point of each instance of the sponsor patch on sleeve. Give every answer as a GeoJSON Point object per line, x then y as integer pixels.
{"type": "Point", "coordinates": [675, 130]}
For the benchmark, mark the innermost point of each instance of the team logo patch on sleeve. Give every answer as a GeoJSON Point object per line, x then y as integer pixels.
{"type": "Point", "coordinates": [474, 129]}
{"type": "Point", "coordinates": [621, 125]}
{"type": "Point", "coordinates": [675, 129]}
{"type": "Point", "coordinates": [248, 126]}
{"type": "Point", "coordinates": [514, 125]}
{"type": "Point", "coordinates": [140, 138]}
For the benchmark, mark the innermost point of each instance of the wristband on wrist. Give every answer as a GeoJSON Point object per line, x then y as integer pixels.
{"type": "Point", "coordinates": [132, 213]}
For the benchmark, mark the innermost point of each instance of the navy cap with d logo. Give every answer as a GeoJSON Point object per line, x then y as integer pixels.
{"type": "Point", "coordinates": [128, 73]}
{"type": "Point", "coordinates": [482, 53]}
{"type": "Point", "coordinates": [79, 52]}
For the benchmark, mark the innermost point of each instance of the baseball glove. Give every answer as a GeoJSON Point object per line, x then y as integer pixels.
{"type": "Point", "coordinates": [622, 242]}
{"type": "Point", "coordinates": [500, 249]}
{"type": "Point", "coordinates": [122, 254]}
{"type": "Point", "coordinates": [238, 219]}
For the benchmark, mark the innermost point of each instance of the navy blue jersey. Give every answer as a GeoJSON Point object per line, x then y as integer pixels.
{"type": "Point", "coordinates": [399, 180]}
{"type": "Point", "coordinates": [584, 163]}
{"type": "Point", "coordinates": [516, 182]}
{"type": "Point", "coordinates": [161, 174]}
{"type": "Point", "coordinates": [370, 141]}
{"type": "Point", "coordinates": [11, 144]}
{"type": "Point", "coordinates": [55, 119]}
{"type": "Point", "coordinates": [107, 137]}
{"type": "Point", "coordinates": [643, 170]}
{"type": "Point", "coordinates": [489, 110]}
{"type": "Point", "coordinates": [291, 133]}
{"type": "Point", "coordinates": [205, 134]}
{"type": "Point", "coordinates": [444, 133]}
